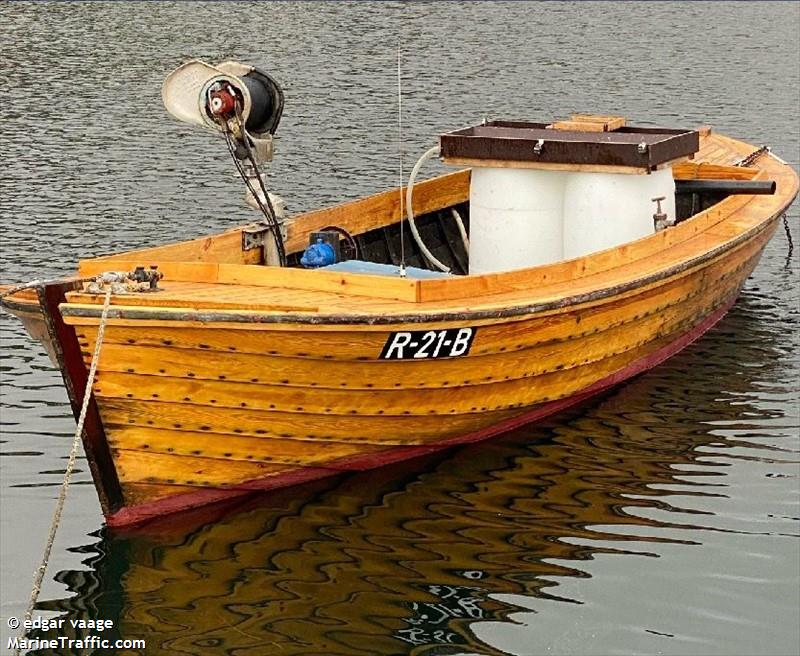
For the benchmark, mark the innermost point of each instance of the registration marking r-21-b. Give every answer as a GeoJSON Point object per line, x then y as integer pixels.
{"type": "Point", "coordinates": [428, 344]}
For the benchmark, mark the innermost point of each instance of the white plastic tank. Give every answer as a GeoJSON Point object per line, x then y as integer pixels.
{"type": "Point", "coordinates": [515, 218]}
{"type": "Point", "coordinates": [602, 210]}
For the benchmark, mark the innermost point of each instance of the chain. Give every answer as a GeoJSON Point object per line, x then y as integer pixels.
{"type": "Point", "coordinates": [752, 157]}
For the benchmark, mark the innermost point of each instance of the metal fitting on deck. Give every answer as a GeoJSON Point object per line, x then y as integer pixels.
{"type": "Point", "coordinates": [125, 282]}
{"type": "Point", "coordinates": [151, 276]}
{"type": "Point", "coordinates": [660, 218]}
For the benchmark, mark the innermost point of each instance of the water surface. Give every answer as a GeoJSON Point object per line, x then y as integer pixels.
{"type": "Point", "coordinates": [662, 518]}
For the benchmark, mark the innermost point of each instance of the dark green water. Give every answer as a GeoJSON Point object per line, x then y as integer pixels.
{"type": "Point", "coordinates": [662, 518]}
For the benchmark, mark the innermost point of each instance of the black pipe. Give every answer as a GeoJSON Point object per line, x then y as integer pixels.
{"type": "Point", "coordinates": [764, 187]}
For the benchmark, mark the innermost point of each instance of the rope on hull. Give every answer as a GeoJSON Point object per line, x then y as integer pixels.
{"type": "Point", "coordinates": [62, 496]}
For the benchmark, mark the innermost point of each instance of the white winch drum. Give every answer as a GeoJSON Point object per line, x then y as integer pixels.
{"type": "Point", "coordinates": [515, 218]}
{"type": "Point", "coordinates": [603, 210]}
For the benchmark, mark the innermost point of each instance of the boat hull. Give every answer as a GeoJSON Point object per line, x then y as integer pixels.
{"type": "Point", "coordinates": [195, 414]}
{"type": "Point", "coordinates": [158, 507]}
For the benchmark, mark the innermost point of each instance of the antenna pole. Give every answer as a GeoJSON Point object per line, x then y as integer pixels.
{"type": "Point", "coordinates": [400, 151]}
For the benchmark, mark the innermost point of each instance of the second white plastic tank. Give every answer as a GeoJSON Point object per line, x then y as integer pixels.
{"type": "Point", "coordinates": [602, 210]}
{"type": "Point", "coordinates": [515, 218]}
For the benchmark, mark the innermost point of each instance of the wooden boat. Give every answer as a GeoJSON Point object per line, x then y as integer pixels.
{"type": "Point", "coordinates": [239, 375]}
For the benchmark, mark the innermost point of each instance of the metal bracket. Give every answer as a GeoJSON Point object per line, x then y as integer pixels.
{"type": "Point", "coordinates": [254, 237]}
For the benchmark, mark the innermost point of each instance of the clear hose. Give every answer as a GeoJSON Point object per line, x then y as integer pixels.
{"type": "Point", "coordinates": [410, 212]}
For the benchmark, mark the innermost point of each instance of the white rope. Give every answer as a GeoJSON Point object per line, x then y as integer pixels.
{"type": "Point", "coordinates": [62, 496]}
{"type": "Point", "coordinates": [410, 210]}
{"type": "Point", "coordinates": [461, 229]}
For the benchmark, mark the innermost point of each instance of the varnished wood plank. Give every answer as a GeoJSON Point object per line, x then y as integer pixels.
{"type": "Point", "coordinates": [379, 210]}
{"type": "Point", "coordinates": [589, 123]}
{"type": "Point", "coordinates": [706, 171]}
{"type": "Point", "coordinates": [194, 471]}
{"type": "Point", "coordinates": [26, 295]}
{"type": "Point", "coordinates": [225, 247]}
{"type": "Point", "coordinates": [719, 155]}
{"type": "Point", "coordinates": [604, 270]}
{"type": "Point", "coordinates": [192, 295]}
{"type": "Point", "coordinates": [172, 270]}
{"type": "Point", "coordinates": [235, 447]}
{"type": "Point", "coordinates": [298, 372]}
{"type": "Point", "coordinates": [579, 126]}
{"type": "Point", "coordinates": [231, 277]}
{"type": "Point", "coordinates": [380, 430]}
{"type": "Point", "coordinates": [139, 493]}
{"type": "Point", "coordinates": [321, 280]}
{"type": "Point", "coordinates": [611, 123]}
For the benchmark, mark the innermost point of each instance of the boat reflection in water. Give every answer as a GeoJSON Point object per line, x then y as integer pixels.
{"type": "Point", "coordinates": [401, 562]}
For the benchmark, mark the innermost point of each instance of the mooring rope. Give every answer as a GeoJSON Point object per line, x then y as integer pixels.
{"type": "Point", "coordinates": [62, 496]}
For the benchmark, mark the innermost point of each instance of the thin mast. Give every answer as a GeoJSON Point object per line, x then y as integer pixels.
{"type": "Point", "coordinates": [402, 176]}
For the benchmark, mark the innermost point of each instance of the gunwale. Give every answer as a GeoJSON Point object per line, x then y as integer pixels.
{"type": "Point", "coordinates": [497, 309]}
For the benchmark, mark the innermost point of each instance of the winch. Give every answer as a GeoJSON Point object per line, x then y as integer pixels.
{"type": "Point", "coordinates": [245, 105]}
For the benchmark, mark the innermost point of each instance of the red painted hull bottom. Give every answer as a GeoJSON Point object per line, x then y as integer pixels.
{"type": "Point", "coordinates": [132, 515]}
